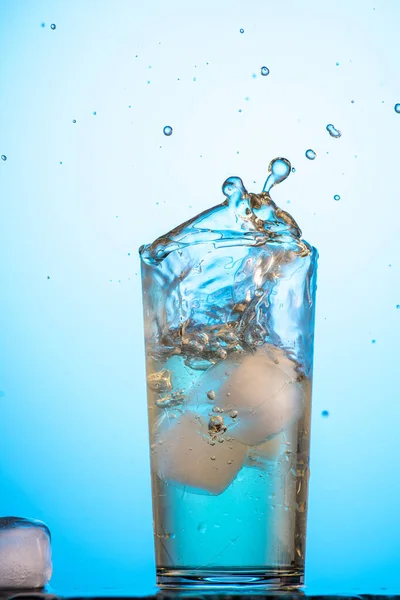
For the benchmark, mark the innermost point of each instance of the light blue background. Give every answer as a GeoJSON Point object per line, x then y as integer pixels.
{"type": "Point", "coordinates": [73, 430]}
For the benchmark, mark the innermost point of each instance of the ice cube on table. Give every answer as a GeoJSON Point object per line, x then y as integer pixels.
{"type": "Point", "coordinates": [186, 453]}
{"type": "Point", "coordinates": [265, 392]}
{"type": "Point", "coordinates": [25, 553]}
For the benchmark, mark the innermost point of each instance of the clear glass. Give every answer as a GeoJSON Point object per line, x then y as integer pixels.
{"type": "Point", "coordinates": [229, 302]}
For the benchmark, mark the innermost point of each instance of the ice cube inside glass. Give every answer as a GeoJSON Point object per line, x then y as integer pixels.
{"type": "Point", "coordinates": [228, 301]}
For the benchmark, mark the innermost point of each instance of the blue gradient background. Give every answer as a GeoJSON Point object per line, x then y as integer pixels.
{"type": "Point", "coordinates": [73, 430]}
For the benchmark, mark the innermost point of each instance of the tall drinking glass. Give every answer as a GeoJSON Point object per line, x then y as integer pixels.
{"type": "Point", "coordinates": [229, 300]}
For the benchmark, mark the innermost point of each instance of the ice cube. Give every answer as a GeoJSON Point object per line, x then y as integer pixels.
{"type": "Point", "coordinates": [25, 553]}
{"type": "Point", "coordinates": [265, 393]}
{"type": "Point", "coordinates": [186, 453]}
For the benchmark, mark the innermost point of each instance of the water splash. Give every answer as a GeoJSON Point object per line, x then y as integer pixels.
{"type": "Point", "coordinates": [167, 130]}
{"type": "Point", "coordinates": [397, 108]}
{"type": "Point", "coordinates": [279, 170]}
{"type": "Point", "coordinates": [333, 132]}
{"type": "Point", "coordinates": [310, 154]}
{"type": "Point", "coordinates": [336, 197]}
{"type": "Point", "coordinates": [243, 219]}
{"type": "Point", "coordinates": [264, 71]}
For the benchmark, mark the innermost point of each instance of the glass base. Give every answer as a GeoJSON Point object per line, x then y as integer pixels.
{"type": "Point", "coordinates": [273, 578]}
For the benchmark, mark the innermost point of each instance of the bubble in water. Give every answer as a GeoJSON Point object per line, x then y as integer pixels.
{"type": "Point", "coordinates": [167, 130]}
{"type": "Point", "coordinates": [336, 197]}
{"type": "Point", "coordinates": [242, 31]}
{"type": "Point", "coordinates": [310, 154]}
{"type": "Point", "coordinates": [3, 157]}
{"type": "Point", "coordinates": [216, 425]}
{"type": "Point", "coordinates": [202, 527]}
{"type": "Point", "coordinates": [259, 292]}
{"type": "Point", "coordinates": [325, 413]}
{"type": "Point", "coordinates": [53, 26]}
{"type": "Point", "coordinates": [397, 108]}
{"type": "Point", "coordinates": [211, 395]}
{"type": "Point", "coordinates": [233, 414]}
{"type": "Point", "coordinates": [171, 399]}
{"type": "Point", "coordinates": [279, 169]}
{"type": "Point", "coordinates": [264, 71]}
{"type": "Point", "coordinates": [333, 132]}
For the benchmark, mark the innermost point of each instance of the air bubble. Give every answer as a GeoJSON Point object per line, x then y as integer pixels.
{"type": "Point", "coordinates": [167, 130]}
{"type": "Point", "coordinates": [310, 154]}
{"type": "Point", "coordinates": [211, 395]}
{"type": "Point", "coordinates": [264, 71]}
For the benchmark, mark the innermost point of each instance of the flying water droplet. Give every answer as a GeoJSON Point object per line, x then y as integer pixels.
{"type": "Point", "coordinates": [293, 170]}
{"type": "Point", "coordinates": [325, 413]}
{"type": "Point", "coordinates": [3, 157]}
{"type": "Point", "coordinates": [241, 30]}
{"type": "Point", "coordinates": [336, 197]}
{"type": "Point", "coordinates": [397, 306]}
{"type": "Point", "coordinates": [373, 341]}
{"type": "Point", "coordinates": [264, 71]}
{"type": "Point", "coordinates": [279, 169]}
{"type": "Point", "coordinates": [94, 113]}
{"type": "Point", "coordinates": [397, 108]}
{"type": "Point", "coordinates": [53, 26]}
{"type": "Point", "coordinates": [310, 154]}
{"type": "Point", "coordinates": [333, 132]}
{"type": "Point", "coordinates": [74, 120]}
{"type": "Point", "coordinates": [167, 130]}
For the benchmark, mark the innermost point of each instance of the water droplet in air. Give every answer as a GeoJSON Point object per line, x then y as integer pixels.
{"type": "Point", "coordinates": [336, 197]}
{"type": "Point", "coordinates": [264, 71]}
{"type": "Point", "coordinates": [325, 413]}
{"type": "Point", "coordinates": [94, 112]}
{"type": "Point", "coordinates": [167, 130]}
{"type": "Point", "coordinates": [293, 170]}
{"type": "Point", "coordinates": [333, 132]}
{"type": "Point", "coordinates": [337, 64]}
{"type": "Point", "coordinates": [373, 341]}
{"type": "Point", "coordinates": [43, 25]}
{"type": "Point", "coordinates": [241, 30]}
{"type": "Point", "coordinates": [397, 108]}
{"type": "Point", "coordinates": [310, 154]}
{"type": "Point", "coordinates": [397, 305]}
{"type": "Point", "coordinates": [3, 157]}
{"type": "Point", "coordinates": [352, 101]}
{"type": "Point", "coordinates": [74, 120]}
{"type": "Point", "coordinates": [53, 26]}
{"type": "Point", "coordinates": [48, 276]}
{"type": "Point", "coordinates": [279, 169]}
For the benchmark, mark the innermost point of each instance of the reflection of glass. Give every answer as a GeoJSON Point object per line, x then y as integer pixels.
{"type": "Point", "coordinates": [229, 319]}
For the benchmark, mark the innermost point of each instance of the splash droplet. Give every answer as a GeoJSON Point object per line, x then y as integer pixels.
{"type": "Point", "coordinates": [48, 276]}
{"type": "Point", "coordinates": [53, 26]}
{"type": "Point", "coordinates": [397, 306]}
{"type": "Point", "coordinates": [167, 130]}
{"type": "Point", "coordinates": [397, 108]}
{"type": "Point", "coordinates": [293, 170]}
{"type": "Point", "coordinates": [325, 413]}
{"type": "Point", "coordinates": [233, 187]}
{"type": "Point", "coordinates": [337, 64]}
{"type": "Point", "coordinates": [94, 112]}
{"type": "Point", "coordinates": [333, 132]}
{"type": "Point", "coordinates": [74, 120]}
{"type": "Point", "coordinates": [264, 71]}
{"type": "Point", "coordinates": [241, 30]}
{"type": "Point", "coordinates": [279, 169]}
{"type": "Point", "coordinates": [336, 197]}
{"type": "Point", "coordinates": [3, 157]}
{"type": "Point", "coordinates": [373, 341]}
{"type": "Point", "coordinates": [42, 24]}
{"type": "Point", "coordinates": [310, 154]}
